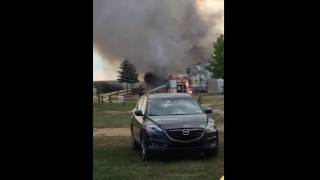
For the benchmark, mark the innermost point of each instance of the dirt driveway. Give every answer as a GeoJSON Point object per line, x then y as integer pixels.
{"type": "Point", "coordinates": [111, 132]}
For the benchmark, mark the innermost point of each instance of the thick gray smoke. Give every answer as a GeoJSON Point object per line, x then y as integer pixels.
{"type": "Point", "coordinates": [161, 36]}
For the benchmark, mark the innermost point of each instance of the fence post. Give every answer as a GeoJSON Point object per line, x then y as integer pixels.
{"type": "Point", "coordinates": [110, 100]}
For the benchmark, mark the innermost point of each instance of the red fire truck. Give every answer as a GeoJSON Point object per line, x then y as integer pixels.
{"type": "Point", "coordinates": [179, 83]}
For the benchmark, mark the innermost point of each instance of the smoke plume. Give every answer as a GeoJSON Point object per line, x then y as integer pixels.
{"type": "Point", "coordinates": [161, 36]}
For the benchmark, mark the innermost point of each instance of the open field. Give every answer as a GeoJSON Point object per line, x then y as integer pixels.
{"type": "Point", "coordinates": [117, 115]}
{"type": "Point", "coordinates": [113, 157]}
{"type": "Point", "coordinates": [114, 115]}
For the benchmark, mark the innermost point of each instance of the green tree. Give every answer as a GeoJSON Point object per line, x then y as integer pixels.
{"type": "Point", "coordinates": [127, 74]}
{"type": "Point", "coordinates": [216, 66]}
{"type": "Point", "coordinates": [133, 74]}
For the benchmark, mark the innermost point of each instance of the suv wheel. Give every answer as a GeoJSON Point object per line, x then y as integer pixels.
{"type": "Point", "coordinates": [145, 153]}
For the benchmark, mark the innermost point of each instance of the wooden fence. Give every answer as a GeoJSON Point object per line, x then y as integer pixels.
{"type": "Point", "coordinates": [113, 96]}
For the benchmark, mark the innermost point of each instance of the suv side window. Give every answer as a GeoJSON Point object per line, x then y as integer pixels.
{"type": "Point", "coordinates": [140, 103]}
{"type": "Point", "coordinates": [143, 106]}
{"type": "Point", "coordinates": [137, 105]}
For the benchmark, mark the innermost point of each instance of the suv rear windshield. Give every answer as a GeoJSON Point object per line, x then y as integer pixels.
{"type": "Point", "coordinates": [158, 107]}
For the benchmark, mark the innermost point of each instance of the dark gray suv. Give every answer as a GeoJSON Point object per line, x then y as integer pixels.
{"type": "Point", "coordinates": [172, 122]}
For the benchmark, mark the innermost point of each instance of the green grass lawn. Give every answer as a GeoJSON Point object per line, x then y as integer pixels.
{"type": "Point", "coordinates": [114, 115]}
{"type": "Point", "coordinates": [219, 118]}
{"type": "Point", "coordinates": [217, 101]}
{"type": "Point", "coordinates": [113, 158]}
{"type": "Point", "coordinates": [117, 115]}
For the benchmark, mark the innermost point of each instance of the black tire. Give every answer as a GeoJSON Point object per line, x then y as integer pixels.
{"type": "Point", "coordinates": [145, 152]}
{"type": "Point", "coordinates": [213, 152]}
{"type": "Point", "coordinates": [134, 143]}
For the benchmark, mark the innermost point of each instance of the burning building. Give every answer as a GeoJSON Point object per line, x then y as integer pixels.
{"type": "Point", "coordinates": [197, 80]}
{"type": "Point", "coordinates": [201, 80]}
{"type": "Point", "coordinates": [199, 76]}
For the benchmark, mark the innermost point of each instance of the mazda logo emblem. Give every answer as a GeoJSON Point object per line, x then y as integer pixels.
{"type": "Point", "coordinates": [185, 132]}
